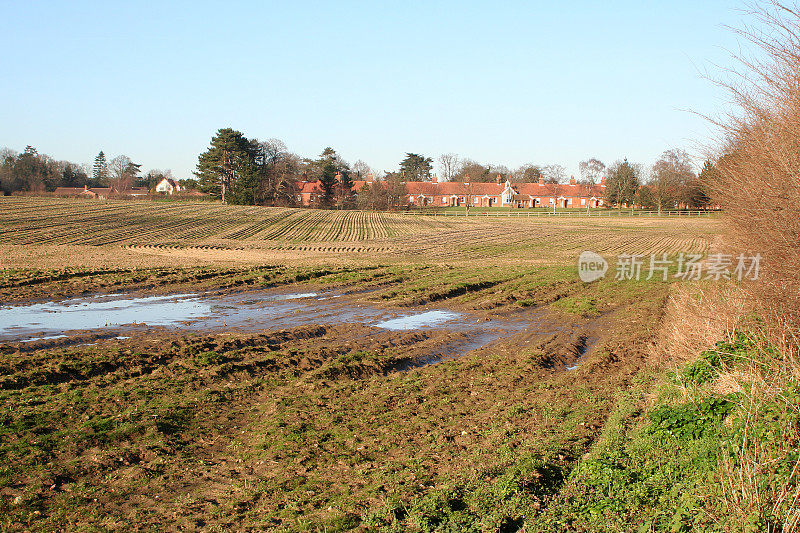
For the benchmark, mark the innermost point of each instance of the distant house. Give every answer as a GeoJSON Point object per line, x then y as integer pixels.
{"type": "Point", "coordinates": [70, 191]}
{"type": "Point", "coordinates": [479, 194]}
{"type": "Point", "coordinates": [541, 194]}
{"type": "Point", "coordinates": [168, 186]}
{"type": "Point", "coordinates": [137, 192]}
{"type": "Point", "coordinates": [311, 192]}
{"type": "Point", "coordinates": [85, 192]}
{"type": "Point", "coordinates": [101, 193]}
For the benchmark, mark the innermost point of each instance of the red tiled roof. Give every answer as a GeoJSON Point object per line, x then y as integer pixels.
{"type": "Point", "coordinates": [307, 187]}
{"type": "Point", "coordinates": [449, 188]}
{"type": "Point", "coordinates": [536, 189]}
{"type": "Point", "coordinates": [483, 189]}
{"type": "Point", "coordinates": [422, 188]}
{"type": "Point", "coordinates": [456, 188]}
{"type": "Point", "coordinates": [69, 190]}
{"type": "Point", "coordinates": [315, 187]}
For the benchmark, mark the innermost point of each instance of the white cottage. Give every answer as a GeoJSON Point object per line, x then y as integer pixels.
{"type": "Point", "coordinates": [168, 186]}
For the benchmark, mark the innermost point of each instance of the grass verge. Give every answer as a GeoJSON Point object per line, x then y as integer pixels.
{"type": "Point", "coordinates": [714, 449]}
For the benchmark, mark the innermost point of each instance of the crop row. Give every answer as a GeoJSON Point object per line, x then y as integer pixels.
{"type": "Point", "coordinates": [69, 221]}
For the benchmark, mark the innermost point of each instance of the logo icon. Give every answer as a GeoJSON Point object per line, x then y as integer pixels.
{"type": "Point", "coordinates": [591, 266]}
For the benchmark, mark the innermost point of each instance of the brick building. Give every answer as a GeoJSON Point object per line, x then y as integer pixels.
{"type": "Point", "coordinates": [479, 194]}
{"type": "Point", "coordinates": [504, 194]}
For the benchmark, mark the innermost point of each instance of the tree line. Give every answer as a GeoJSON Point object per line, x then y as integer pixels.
{"type": "Point", "coordinates": [249, 171]}
{"type": "Point", "coordinates": [239, 170]}
{"type": "Point", "coordinates": [31, 172]}
{"type": "Point", "coordinates": [671, 182]}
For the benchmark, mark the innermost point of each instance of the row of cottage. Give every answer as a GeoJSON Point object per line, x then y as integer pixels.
{"type": "Point", "coordinates": [497, 194]}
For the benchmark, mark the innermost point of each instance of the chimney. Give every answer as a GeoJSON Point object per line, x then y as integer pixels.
{"type": "Point", "coordinates": [85, 187]}
{"type": "Point", "coordinates": [572, 180]}
{"type": "Point", "coordinates": [370, 178]}
{"type": "Point", "coordinates": [435, 178]}
{"type": "Point", "coordinates": [603, 181]}
{"type": "Point", "coordinates": [541, 179]}
{"type": "Point", "coordinates": [498, 179]}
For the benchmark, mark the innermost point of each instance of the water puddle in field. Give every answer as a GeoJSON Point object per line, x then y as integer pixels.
{"type": "Point", "coordinates": [69, 322]}
{"type": "Point", "coordinates": [420, 320]}
{"type": "Point", "coordinates": [16, 322]}
{"type": "Point", "coordinates": [45, 338]}
{"type": "Point", "coordinates": [455, 349]}
{"type": "Point", "coordinates": [583, 347]}
{"type": "Point", "coordinates": [252, 311]}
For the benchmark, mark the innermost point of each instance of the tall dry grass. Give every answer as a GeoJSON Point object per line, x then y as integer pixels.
{"type": "Point", "coordinates": [697, 318]}
{"type": "Point", "coordinates": [756, 493]}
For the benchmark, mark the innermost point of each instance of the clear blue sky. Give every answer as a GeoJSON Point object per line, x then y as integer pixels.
{"type": "Point", "coordinates": [500, 82]}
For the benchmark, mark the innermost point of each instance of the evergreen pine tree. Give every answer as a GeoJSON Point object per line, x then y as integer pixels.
{"type": "Point", "coordinates": [416, 167]}
{"type": "Point", "coordinates": [328, 182]}
{"type": "Point", "coordinates": [229, 158]}
{"type": "Point", "coordinates": [346, 188]}
{"type": "Point", "coordinates": [100, 169]}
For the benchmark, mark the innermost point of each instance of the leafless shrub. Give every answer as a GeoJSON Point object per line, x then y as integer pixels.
{"type": "Point", "coordinates": [759, 180]}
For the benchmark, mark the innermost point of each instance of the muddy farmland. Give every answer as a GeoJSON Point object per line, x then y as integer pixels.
{"type": "Point", "coordinates": [398, 392]}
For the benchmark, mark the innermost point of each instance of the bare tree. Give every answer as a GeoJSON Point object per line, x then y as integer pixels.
{"type": "Point", "coordinates": [592, 171]}
{"type": "Point", "coordinates": [396, 191]}
{"type": "Point", "coordinates": [122, 171]}
{"type": "Point", "coordinates": [269, 159]}
{"type": "Point", "coordinates": [502, 170]}
{"type": "Point", "coordinates": [448, 163]}
{"type": "Point", "coordinates": [272, 151]}
{"type": "Point", "coordinates": [668, 177]}
{"type": "Point", "coordinates": [471, 170]}
{"type": "Point", "coordinates": [373, 195]}
{"type": "Point", "coordinates": [527, 173]}
{"type": "Point", "coordinates": [360, 169]}
{"type": "Point", "coordinates": [554, 173]}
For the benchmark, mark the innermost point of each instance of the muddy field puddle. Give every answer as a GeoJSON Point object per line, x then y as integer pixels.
{"type": "Point", "coordinates": [584, 346]}
{"type": "Point", "coordinates": [246, 312]}
{"type": "Point", "coordinates": [53, 319]}
{"type": "Point", "coordinates": [420, 320]}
